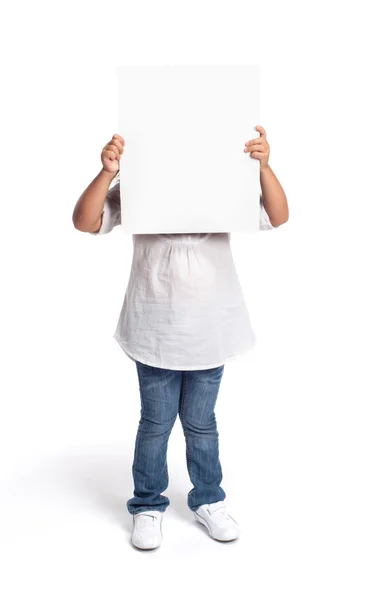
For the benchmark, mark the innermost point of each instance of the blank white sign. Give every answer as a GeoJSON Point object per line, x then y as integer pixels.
{"type": "Point", "coordinates": [184, 168]}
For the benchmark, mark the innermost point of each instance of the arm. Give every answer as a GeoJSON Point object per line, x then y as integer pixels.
{"type": "Point", "coordinates": [273, 196]}
{"type": "Point", "coordinates": [87, 215]}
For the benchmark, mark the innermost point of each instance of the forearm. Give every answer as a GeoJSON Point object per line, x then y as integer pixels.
{"type": "Point", "coordinates": [89, 207]}
{"type": "Point", "coordinates": [274, 198]}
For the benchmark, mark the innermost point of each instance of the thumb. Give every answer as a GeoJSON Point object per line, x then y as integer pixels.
{"type": "Point", "coordinates": [261, 131]}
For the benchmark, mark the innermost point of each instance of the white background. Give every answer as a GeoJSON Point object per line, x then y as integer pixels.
{"type": "Point", "coordinates": [294, 415]}
{"type": "Point", "coordinates": [185, 169]}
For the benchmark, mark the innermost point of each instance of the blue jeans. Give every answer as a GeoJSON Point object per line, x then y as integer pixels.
{"type": "Point", "coordinates": [192, 395]}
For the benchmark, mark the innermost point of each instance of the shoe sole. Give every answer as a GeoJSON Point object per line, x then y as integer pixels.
{"type": "Point", "coordinates": [205, 523]}
{"type": "Point", "coordinates": [151, 547]}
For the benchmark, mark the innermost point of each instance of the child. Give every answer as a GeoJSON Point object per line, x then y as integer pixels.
{"type": "Point", "coordinates": [182, 318]}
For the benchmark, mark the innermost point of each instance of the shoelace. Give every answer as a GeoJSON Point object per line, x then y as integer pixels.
{"type": "Point", "coordinates": [221, 514]}
{"type": "Point", "coordinates": [146, 521]}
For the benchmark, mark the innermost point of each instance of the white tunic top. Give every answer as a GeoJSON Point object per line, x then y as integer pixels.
{"type": "Point", "coordinates": [184, 307]}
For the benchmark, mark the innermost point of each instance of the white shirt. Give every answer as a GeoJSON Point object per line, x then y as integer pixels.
{"type": "Point", "coordinates": [184, 307]}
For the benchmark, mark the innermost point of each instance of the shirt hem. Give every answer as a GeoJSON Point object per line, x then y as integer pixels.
{"type": "Point", "coordinates": [136, 357]}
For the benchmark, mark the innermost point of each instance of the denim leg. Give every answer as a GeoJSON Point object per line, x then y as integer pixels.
{"type": "Point", "coordinates": [198, 399]}
{"type": "Point", "coordinates": [160, 391]}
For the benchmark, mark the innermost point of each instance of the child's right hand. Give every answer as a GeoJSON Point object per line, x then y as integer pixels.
{"type": "Point", "coordinates": [112, 153]}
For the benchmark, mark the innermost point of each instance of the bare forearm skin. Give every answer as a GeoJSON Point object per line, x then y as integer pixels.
{"type": "Point", "coordinates": [88, 209]}
{"type": "Point", "coordinates": [273, 196]}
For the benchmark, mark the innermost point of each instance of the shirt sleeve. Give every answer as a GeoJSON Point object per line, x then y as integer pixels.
{"type": "Point", "coordinates": [111, 214]}
{"type": "Point", "coordinates": [264, 217]}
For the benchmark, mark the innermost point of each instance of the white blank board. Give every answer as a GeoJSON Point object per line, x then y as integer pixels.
{"type": "Point", "coordinates": [184, 168]}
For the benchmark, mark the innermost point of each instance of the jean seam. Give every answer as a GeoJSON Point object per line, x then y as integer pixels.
{"type": "Point", "coordinates": [184, 391]}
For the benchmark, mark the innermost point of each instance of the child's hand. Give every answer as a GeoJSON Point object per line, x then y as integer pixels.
{"type": "Point", "coordinates": [112, 153]}
{"type": "Point", "coordinates": [259, 148]}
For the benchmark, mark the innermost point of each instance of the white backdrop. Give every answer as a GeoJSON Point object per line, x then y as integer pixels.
{"type": "Point", "coordinates": [184, 168]}
{"type": "Point", "coordinates": [294, 415]}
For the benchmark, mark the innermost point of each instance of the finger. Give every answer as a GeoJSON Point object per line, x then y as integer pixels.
{"type": "Point", "coordinates": [114, 148]}
{"type": "Point", "coordinates": [116, 143]}
{"type": "Point", "coordinates": [109, 154]}
{"type": "Point", "coordinates": [258, 154]}
{"type": "Point", "coordinates": [120, 144]}
{"type": "Point", "coordinates": [256, 147]}
{"type": "Point", "coordinates": [261, 130]}
{"type": "Point", "coordinates": [255, 141]}
{"type": "Point", "coordinates": [116, 136]}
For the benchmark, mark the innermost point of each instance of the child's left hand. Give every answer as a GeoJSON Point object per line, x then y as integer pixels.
{"type": "Point", "coordinates": [259, 147]}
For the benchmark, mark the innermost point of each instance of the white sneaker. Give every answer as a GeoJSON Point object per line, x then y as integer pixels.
{"type": "Point", "coordinates": [147, 530]}
{"type": "Point", "coordinates": [221, 526]}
